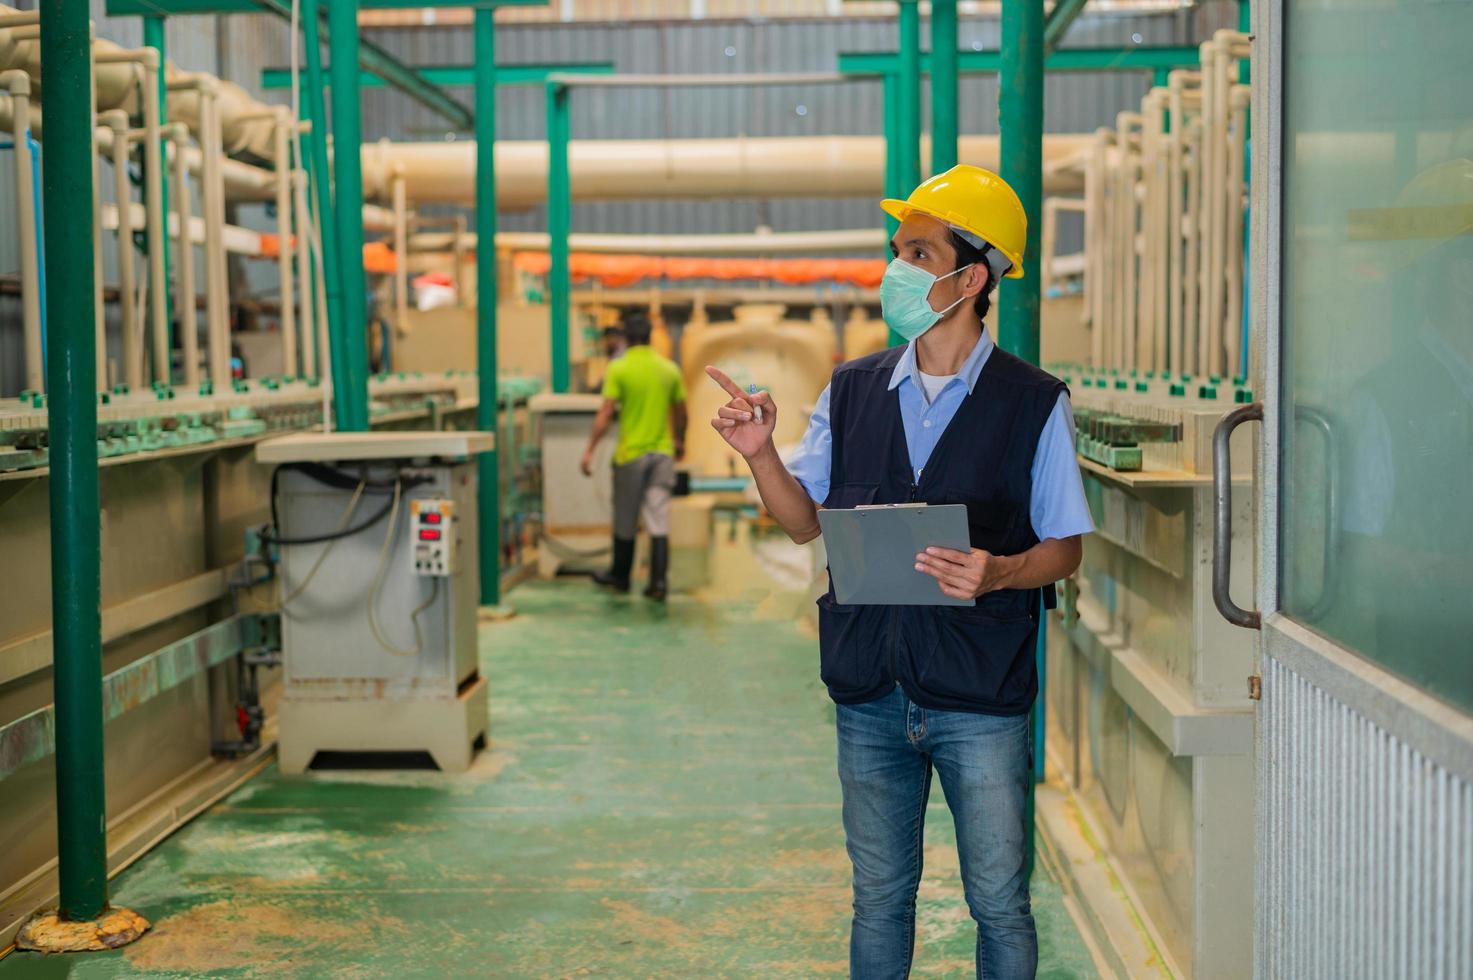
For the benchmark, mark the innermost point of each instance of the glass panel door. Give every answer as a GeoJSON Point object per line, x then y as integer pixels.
{"type": "Point", "coordinates": [1376, 549]}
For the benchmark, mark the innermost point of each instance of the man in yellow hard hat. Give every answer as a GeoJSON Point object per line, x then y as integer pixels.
{"type": "Point", "coordinates": [946, 418]}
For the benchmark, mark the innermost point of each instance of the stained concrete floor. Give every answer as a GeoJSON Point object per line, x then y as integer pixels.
{"type": "Point", "coordinates": [659, 801]}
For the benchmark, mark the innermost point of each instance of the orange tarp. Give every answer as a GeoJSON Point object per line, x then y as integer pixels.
{"type": "Point", "coordinates": [378, 257]}
{"type": "Point", "coordinates": [616, 271]}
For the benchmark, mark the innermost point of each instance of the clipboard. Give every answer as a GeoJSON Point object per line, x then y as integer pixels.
{"type": "Point", "coordinates": [872, 552]}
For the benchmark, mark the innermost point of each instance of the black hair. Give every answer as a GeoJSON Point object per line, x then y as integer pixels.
{"type": "Point", "coordinates": [637, 329]}
{"type": "Point", "coordinates": [968, 254]}
{"type": "Point", "coordinates": [613, 332]}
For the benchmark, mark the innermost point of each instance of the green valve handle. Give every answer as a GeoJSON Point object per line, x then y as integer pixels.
{"type": "Point", "coordinates": [1178, 391]}
{"type": "Point", "coordinates": [1121, 384]}
{"type": "Point", "coordinates": [1142, 386]}
{"type": "Point", "coordinates": [1207, 392]}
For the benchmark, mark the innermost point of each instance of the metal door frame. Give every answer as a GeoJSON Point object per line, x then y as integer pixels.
{"type": "Point", "coordinates": [1439, 731]}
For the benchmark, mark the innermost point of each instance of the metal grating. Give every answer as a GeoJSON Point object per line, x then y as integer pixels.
{"type": "Point", "coordinates": [1365, 846]}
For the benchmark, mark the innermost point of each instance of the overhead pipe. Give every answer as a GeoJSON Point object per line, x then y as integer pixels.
{"type": "Point", "coordinates": [759, 242]}
{"type": "Point", "coordinates": [623, 170]}
{"type": "Point", "coordinates": [18, 85]}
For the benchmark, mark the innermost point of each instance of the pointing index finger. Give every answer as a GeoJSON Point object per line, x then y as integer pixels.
{"type": "Point", "coordinates": [720, 378]}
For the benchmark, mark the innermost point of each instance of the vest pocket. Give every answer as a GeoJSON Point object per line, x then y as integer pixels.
{"type": "Point", "coordinates": [993, 524]}
{"type": "Point", "coordinates": [850, 645]}
{"type": "Point", "coordinates": [973, 657]}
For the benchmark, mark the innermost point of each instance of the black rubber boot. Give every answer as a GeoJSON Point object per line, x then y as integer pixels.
{"type": "Point", "coordinates": [617, 577]}
{"type": "Point", "coordinates": [659, 566]}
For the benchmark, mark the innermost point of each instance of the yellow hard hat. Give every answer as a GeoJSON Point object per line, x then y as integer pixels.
{"type": "Point", "coordinates": [972, 200]}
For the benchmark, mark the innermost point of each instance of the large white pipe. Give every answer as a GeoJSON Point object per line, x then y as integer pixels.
{"type": "Point", "coordinates": [753, 243]}
{"type": "Point", "coordinates": [18, 85]}
{"type": "Point", "coordinates": [802, 166]}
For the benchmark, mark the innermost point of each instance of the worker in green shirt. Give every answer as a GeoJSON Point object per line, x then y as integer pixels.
{"type": "Point", "coordinates": [648, 394]}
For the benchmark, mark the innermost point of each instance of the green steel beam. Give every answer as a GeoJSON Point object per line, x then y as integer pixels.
{"type": "Point", "coordinates": [488, 500]}
{"type": "Point", "coordinates": [1135, 58]}
{"type": "Point", "coordinates": [1058, 22]}
{"type": "Point", "coordinates": [461, 76]}
{"type": "Point", "coordinates": [154, 37]}
{"type": "Point", "coordinates": [908, 114]}
{"type": "Point", "coordinates": [351, 338]}
{"type": "Point", "coordinates": [314, 111]}
{"type": "Point", "coordinates": [892, 165]}
{"type": "Point", "coordinates": [943, 86]}
{"type": "Point", "coordinates": [370, 56]}
{"type": "Point", "coordinates": [76, 548]}
{"type": "Point", "coordinates": [559, 204]}
{"type": "Point", "coordinates": [171, 7]}
{"type": "Point", "coordinates": [1020, 116]}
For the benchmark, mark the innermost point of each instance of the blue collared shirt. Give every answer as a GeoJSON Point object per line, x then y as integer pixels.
{"type": "Point", "coordinates": [1057, 507]}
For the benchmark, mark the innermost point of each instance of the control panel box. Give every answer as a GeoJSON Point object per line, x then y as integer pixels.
{"type": "Point", "coordinates": [432, 537]}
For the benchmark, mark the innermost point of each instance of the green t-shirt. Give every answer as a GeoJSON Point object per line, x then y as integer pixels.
{"type": "Point", "coordinates": [645, 385]}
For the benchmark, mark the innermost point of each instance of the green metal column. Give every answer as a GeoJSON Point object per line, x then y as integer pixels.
{"type": "Point", "coordinates": [76, 578]}
{"type": "Point", "coordinates": [350, 375]}
{"type": "Point", "coordinates": [1021, 116]}
{"type": "Point", "coordinates": [314, 111]}
{"type": "Point", "coordinates": [559, 204]}
{"type": "Point", "coordinates": [892, 164]}
{"type": "Point", "coordinates": [153, 37]}
{"type": "Point", "coordinates": [908, 88]}
{"type": "Point", "coordinates": [488, 501]}
{"type": "Point", "coordinates": [943, 86]}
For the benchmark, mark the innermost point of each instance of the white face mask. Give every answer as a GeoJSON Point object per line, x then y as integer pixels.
{"type": "Point", "coordinates": [905, 299]}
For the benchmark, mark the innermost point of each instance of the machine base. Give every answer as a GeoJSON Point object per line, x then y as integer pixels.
{"type": "Point", "coordinates": [448, 730]}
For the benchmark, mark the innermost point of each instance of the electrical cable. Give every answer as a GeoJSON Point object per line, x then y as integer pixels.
{"type": "Point", "coordinates": [380, 574]}
{"type": "Point", "coordinates": [322, 557]}
{"type": "Point", "coordinates": [337, 480]}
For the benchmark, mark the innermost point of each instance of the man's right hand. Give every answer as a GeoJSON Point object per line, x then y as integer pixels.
{"type": "Point", "coordinates": [736, 420]}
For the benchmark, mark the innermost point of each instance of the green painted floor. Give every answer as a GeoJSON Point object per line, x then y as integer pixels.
{"type": "Point", "coordinates": [659, 801]}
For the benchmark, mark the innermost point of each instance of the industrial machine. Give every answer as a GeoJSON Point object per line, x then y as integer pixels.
{"type": "Point", "coordinates": [379, 587]}
{"type": "Point", "coordinates": [1149, 700]}
{"type": "Point", "coordinates": [577, 511]}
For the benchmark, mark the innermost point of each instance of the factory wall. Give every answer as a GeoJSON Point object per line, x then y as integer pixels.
{"type": "Point", "coordinates": [238, 48]}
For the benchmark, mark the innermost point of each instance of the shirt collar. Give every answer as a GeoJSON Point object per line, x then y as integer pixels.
{"type": "Point", "coordinates": [971, 369]}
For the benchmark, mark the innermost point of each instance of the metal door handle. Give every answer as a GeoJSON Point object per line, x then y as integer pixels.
{"type": "Point", "coordinates": [1222, 515]}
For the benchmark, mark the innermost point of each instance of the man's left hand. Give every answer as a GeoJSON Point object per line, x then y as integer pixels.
{"type": "Point", "coordinates": [963, 574]}
{"type": "Point", "coordinates": [587, 465]}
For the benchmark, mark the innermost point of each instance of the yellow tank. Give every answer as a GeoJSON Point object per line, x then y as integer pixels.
{"type": "Point", "coordinates": [792, 359]}
{"type": "Point", "coordinates": [863, 335]}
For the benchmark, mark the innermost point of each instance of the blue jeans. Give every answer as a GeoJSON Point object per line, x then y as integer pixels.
{"type": "Point", "coordinates": [887, 749]}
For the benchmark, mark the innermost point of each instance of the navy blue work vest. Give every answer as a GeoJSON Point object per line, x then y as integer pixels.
{"type": "Point", "coordinates": [976, 658]}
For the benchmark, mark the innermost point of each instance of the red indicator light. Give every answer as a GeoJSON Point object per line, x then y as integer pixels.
{"type": "Point", "coordinates": [429, 534]}
{"type": "Point", "coordinates": [430, 517]}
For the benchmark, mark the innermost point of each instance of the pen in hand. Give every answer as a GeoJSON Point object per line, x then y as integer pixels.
{"type": "Point", "coordinates": [756, 409]}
